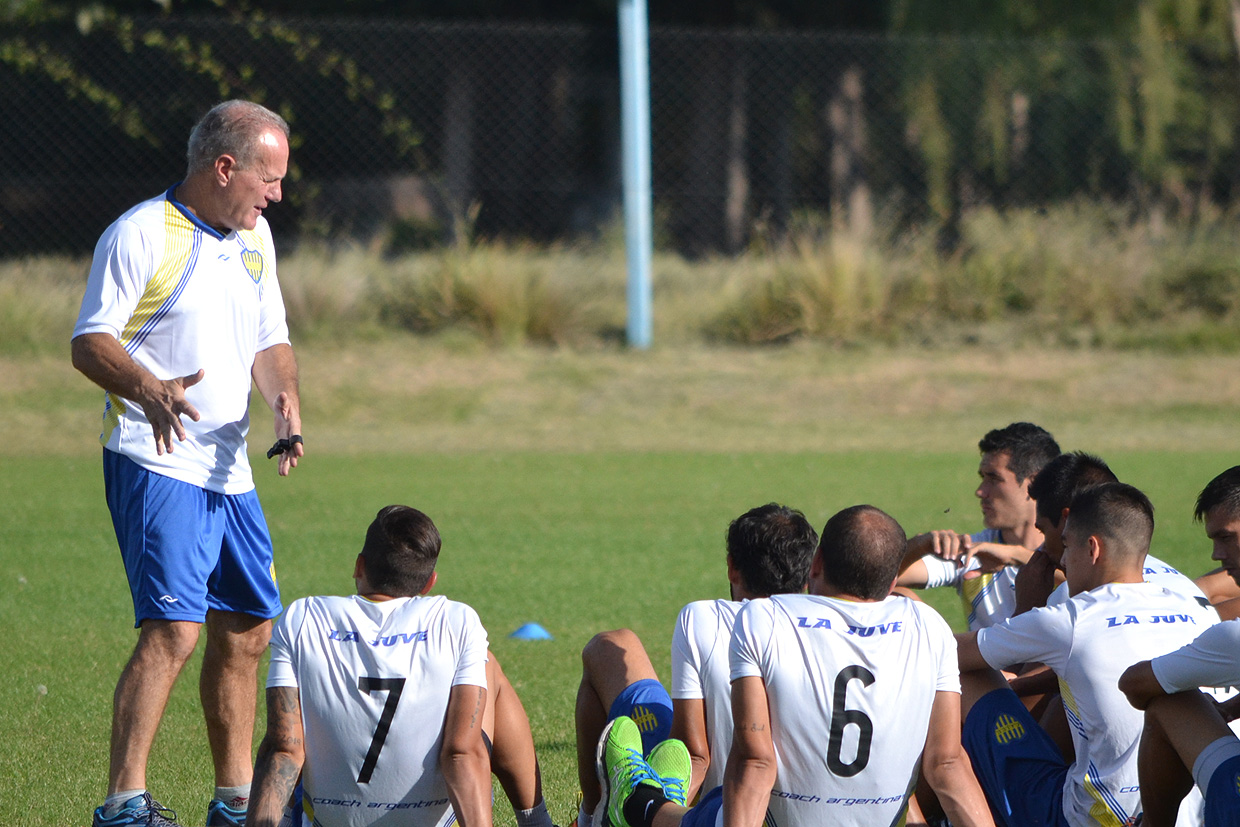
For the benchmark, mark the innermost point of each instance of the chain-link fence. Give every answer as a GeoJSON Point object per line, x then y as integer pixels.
{"type": "Point", "coordinates": [409, 134]}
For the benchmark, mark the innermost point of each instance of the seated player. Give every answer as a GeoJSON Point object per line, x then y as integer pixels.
{"type": "Point", "coordinates": [983, 566]}
{"type": "Point", "coordinates": [1053, 490]}
{"type": "Point", "coordinates": [379, 701]}
{"type": "Point", "coordinates": [847, 673]}
{"type": "Point", "coordinates": [768, 552]}
{"type": "Point", "coordinates": [1185, 729]}
{"type": "Point", "coordinates": [1113, 619]}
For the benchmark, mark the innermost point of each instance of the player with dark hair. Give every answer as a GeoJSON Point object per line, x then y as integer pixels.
{"type": "Point", "coordinates": [379, 701]}
{"type": "Point", "coordinates": [1221, 496]}
{"type": "Point", "coordinates": [181, 316]}
{"type": "Point", "coordinates": [769, 549]}
{"type": "Point", "coordinates": [1052, 490]}
{"type": "Point", "coordinates": [983, 566]}
{"type": "Point", "coordinates": [869, 677]}
{"type": "Point", "coordinates": [1184, 729]}
{"type": "Point", "coordinates": [1113, 618]}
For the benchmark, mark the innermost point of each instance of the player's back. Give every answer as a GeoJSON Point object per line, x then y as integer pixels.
{"type": "Point", "coordinates": [374, 680]}
{"type": "Point", "coordinates": [700, 670]}
{"type": "Point", "coordinates": [850, 688]}
{"type": "Point", "coordinates": [1115, 626]}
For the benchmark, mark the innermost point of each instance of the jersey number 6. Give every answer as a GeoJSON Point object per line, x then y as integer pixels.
{"type": "Point", "coordinates": [393, 686]}
{"type": "Point", "coordinates": [842, 717]}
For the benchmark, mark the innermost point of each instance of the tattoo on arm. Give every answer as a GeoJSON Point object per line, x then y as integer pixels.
{"type": "Point", "coordinates": [479, 705]}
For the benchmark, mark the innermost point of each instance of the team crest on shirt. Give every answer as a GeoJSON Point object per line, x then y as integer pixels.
{"type": "Point", "coordinates": [1008, 729]}
{"type": "Point", "coordinates": [253, 261]}
{"type": "Point", "coordinates": [1236, 781]}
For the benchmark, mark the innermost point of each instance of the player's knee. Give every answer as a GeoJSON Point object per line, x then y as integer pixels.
{"type": "Point", "coordinates": [168, 640]}
{"type": "Point", "coordinates": [242, 644]}
{"type": "Point", "coordinates": [607, 645]}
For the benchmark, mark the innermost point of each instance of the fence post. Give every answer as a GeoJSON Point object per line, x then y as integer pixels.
{"type": "Point", "coordinates": [635, 129]}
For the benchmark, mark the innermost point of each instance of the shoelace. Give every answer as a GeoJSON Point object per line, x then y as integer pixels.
{"type": "Point", "coordinates": [639, 769]}
{"type": "Point", "coordinates": [673, 788]}
{"type": "Point", "coordinates": [153, 810]}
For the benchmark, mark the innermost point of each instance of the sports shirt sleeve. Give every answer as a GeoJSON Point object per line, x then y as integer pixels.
{"type": "Point", "coordinates": [282, 671]}
{"type": "Point", "coordinates": [686, 660]}
{"type": "Point", "coordinates": [471, 666]}
{"type": "Point", "coordinates": [122, 265]}
{"type": "Point", "coordinates": [940, 572]}
{"type": "Point", "coordinates": [1043, 635]}
{"type": "Point", "coordinates": [1213, 659]}
{"type": "Point", "coordinates": [751, 636]}
{"type": "Point", "coordinates": [272, 324]}
{"type": "Point", "coordinates": [943, 643]}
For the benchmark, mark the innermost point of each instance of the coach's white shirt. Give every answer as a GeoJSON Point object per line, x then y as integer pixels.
{"type": "Point", "coordinates": [700, 671]}
{"type": "Point", "coordinates": [179, 296]}
{"type": "Point", "coordinates": [850, 689]}
{"type": "Point", "coordinates": [1089, 641]}
{"type": "Point", "coordinates": [356, 662]}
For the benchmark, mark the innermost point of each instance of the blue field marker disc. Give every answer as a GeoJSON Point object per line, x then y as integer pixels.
{"type": "Point", "coordinates": [531, 631]}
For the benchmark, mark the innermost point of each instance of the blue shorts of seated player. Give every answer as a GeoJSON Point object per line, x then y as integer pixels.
{"type": "Point", "coordinates": [1217, 773]}
{"type": "Point", "coordinates": [188, 550]}
{"type": "Point", "coordinates": [1017, 764]}
{"type": "Point", "coordinates": [650, 707]}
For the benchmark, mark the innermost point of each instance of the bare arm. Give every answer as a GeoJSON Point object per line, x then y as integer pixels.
{"type": "Point", "coordinates": [947, 769]}
{"type": "Point", "coordinates": [280, 758]}
{"type": "Point", "coordinates": [969, 654]}
{"type": "Point", "coordinates": [102, 359]}
{"type": "Point", "coordinates": [1139, 684]}
{"type": "Point", "coordinates": [689, 725]}
{"type": "Point", "coordinates": [463, 758]}
{"type": "Point", "coordinates": [1035, 581]}
{"type": "Point", "coordinates": [275, 375]}
{"type": "Point", "coordinates": [750, 773]}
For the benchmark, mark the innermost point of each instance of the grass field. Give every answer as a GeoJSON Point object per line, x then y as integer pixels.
{"type": "Point", "coordinates": [582, 491]}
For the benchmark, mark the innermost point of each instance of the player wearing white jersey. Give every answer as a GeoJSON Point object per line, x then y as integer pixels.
{"type": "Point", "coordinates": [1184, 729]}
{"type": "Point", "coordinates": [378, 700]}
{"type": "Point", "coordinates": [983, 566]}
{"type": "Point", "coordinates": [768, 552]}
{"type": "Point", "coordinates": [1113, 618]}
{"type": "Point", "coordinates": [701, 680]}
{"type": "Point", "coordinates": [182, 313]}
{"type": "Point", "coordinates": [837, 697]}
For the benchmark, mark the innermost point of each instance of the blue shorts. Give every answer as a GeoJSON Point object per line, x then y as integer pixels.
{"type": "Point", "coordinates": [1223, 795]}
{"type": "Point", "coordinates": [186, 549]}
{"type": "Point", "coordinates": [706, 812]}
{"type": "Point", "coordinates": [650, 707]}
{"type": "Point", "coordinates": [1018, 765]}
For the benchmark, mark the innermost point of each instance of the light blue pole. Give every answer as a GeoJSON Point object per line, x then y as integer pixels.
{"type": "Point", "coordinates": [635, 127]}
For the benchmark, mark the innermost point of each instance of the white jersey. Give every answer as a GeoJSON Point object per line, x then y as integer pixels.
{"type": "Point", "coordinates": [850, 688]}
{"type": "Point", "coordinates": [374, 680]}
{"type": "Point", "coordinates": [990, 597]}
{"type": "Point", "coordinates": [179, 296]}
{"type": "Point", "coordinates": [700, 671]}
{"type": "Point", "coordinates": [1156, 571]}
{"type": "Point", "coordinates": [1212, 659]}
{"type": "Point", "coordinates": [1089, 641]}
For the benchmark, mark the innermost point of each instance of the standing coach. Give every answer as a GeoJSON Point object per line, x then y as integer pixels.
{"type": "Point", "coordinates": [182, 311]}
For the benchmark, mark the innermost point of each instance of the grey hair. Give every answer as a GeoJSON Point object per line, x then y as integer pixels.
{"type": "Point", "coordinates": [230, 128]}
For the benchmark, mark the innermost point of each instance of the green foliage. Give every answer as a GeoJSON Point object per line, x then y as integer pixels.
{"type": "Point", "coordinates": [505, 294]}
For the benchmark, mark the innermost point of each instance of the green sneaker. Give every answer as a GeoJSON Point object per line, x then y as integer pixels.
{"type": "Point", "coordinates": [621, 769]}
{"type": "Point", "coordinates": [670, 761]}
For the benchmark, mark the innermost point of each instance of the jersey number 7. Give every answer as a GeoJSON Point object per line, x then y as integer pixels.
{"type": "Point", "coordinates": [393, 686]}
